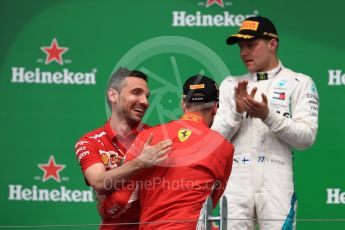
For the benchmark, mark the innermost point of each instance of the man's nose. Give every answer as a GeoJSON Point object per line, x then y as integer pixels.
{"type": "Point", "coordinates": [144, 100]}
{"type": "Point", "coordinates": [244, 52]}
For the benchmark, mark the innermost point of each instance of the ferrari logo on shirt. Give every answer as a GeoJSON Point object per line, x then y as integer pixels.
{"type": "Point", "coordinates": [184, 134]}
{"type": "Point", "coordinates": [111, 159]}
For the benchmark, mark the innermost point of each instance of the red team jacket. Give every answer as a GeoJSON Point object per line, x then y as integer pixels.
{"type": "Point", "coordinates": [102, 146]}
{"type": "Point", "coordinates": [199, 165]}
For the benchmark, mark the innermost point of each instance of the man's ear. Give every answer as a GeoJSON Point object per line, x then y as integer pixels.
{"type": "Point", "coordinates": [273, 44]}
{"type": "Point", "coordinates": [113, 95]}
{"type": "Point", "coordinates": [215, 108]}
{"type": "Point", "coordinates": [183, 104]}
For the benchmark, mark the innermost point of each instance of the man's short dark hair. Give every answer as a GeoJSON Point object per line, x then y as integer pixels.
{"type": "Point", "coordinates": [117, 82]}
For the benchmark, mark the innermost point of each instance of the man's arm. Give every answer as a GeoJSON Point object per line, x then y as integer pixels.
{"type": "Point", "coordinates": [120, 200]}
{"type": "Point", "coordinates": [224, 172]}
{"type": "Point", "coordinates": [104, 182]}
{"type": "Point", "coordinates": [228, 117]}
{"type": "Point", "coordinates": [299, 130]}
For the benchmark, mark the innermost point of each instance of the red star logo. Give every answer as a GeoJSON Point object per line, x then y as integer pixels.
{"type": "Point", "coordinates": [211, 2]}
{"type": "Point", "coordinates": [54, 52]}
{"type": "Point", "coordinates": [51, 169]}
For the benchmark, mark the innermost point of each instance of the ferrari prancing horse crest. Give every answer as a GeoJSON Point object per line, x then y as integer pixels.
{"type": "Point", "coordinates": [184, 134]}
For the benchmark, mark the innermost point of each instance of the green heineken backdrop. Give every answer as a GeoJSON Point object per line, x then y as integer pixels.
{"type": "Point", "coordinates": [56, 58]}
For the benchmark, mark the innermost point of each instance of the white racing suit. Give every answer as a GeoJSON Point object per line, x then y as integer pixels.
{"type": "Point", "coordinates": [261, 183]}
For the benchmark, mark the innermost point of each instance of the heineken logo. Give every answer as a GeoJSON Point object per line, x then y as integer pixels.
{"type": "Point", "coordinates": [54, 54]}
{"type": "Point", "coordinates": [62, 194]}
{"type": "Point", "coordinates": [214, 3]}
{"type": "Point", "coordinates": [335, 196]}
{"type": "Point", "coordinates": [336, 77]}
{"type": "Point", "coordinates": [66, 77]}
{"type": "Point", "coordinates": [218, 2]}
{"type": "Point", "coordinates": [199, 18]}
{"type": "Point", "coordinates": [50, 173]}
{"type": "Point", "coordinates": [51, 170]}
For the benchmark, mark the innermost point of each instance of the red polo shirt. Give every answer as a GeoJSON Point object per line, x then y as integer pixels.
{"type": "Point", "coordinates": [102, 146]}
{"type": "Point", "coordinates": [199, 165]}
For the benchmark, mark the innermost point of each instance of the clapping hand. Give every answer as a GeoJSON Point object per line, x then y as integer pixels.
{"type": "Point", "coordinates": [246, 103]}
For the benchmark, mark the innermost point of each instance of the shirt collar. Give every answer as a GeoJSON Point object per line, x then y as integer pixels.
{"type": "Point", "coordinates": [193, 116]}
{"type": "Point", "coordinates": [257, 76]}
{"type": "Point", "coordinates": [112, 133]}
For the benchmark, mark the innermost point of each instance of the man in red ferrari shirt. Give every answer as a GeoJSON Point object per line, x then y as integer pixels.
{"type": "Point", "coordinates": [101, 153]}
{"type": "Point", "coordinates": [172, 193]}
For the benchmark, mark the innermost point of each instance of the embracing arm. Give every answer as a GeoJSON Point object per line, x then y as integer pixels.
{"type": "Point", "coordinates": [104, 182]}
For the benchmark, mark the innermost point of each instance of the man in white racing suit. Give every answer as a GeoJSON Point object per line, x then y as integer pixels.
{"type": "Point", "coordinates": [265, 113]}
